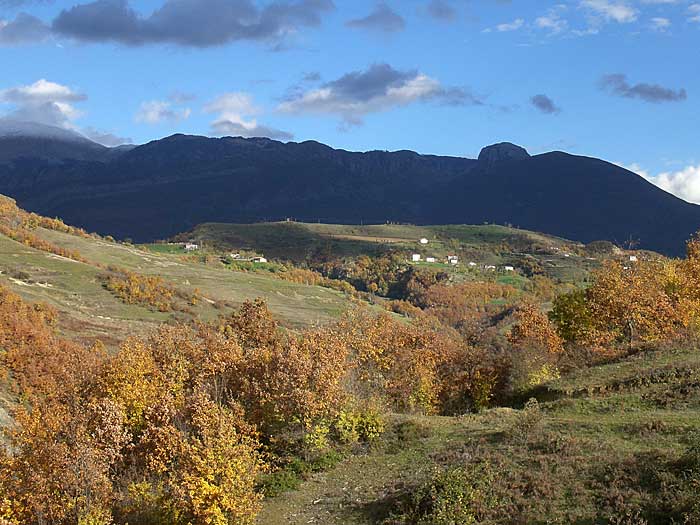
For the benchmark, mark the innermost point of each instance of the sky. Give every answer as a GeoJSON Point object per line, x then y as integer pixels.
{"type": "Point", "coordinates": [613, 79]}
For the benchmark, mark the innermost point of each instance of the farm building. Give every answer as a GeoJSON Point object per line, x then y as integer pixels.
{"type": "Point", "coordinates": [259, 260]}
{"type": "Point", "coordinates": [509, 268]}
{"type": "Point", "coordinates": [191, 246]}
{"type": "Point", "coordinates": [416, 257]}
{"type": "Point", "coordinates": [634, 258]}
{"type": "Point", "coordinates": [430, 259]}
{"type": "Point", "coordinates": [424, 241]}
{"type": "Point", "coordinates": [452, 259]}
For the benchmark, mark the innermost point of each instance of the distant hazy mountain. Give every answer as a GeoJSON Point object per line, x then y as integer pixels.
{"type": "Point", "coordinates": [30, 140]}
{"type": "Point", "coordinates": [170, 185]}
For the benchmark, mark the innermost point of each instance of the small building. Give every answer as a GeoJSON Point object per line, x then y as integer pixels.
{"type": "Point", "coordinates": [430, 259]}
{"type": "Point", "coordinates": [424, 241]}
{"type": "Point", "coordinates": [452, 259]}
{"type": "Point", "coordinates": [191, 246]}
{"type": "Point", "coordinates": [472, 264]}
{"type": "Point", "coordinates": [634, 258]}
{"type": "Point", "coordinates": [490, 267]}
{"type": "Point", "coordinates": [259, 260]}
{"type": "Point", "coordinates": [235, 256]}
{"type": "Point", "coordinates": [416, 257]}
{"type": "Point", "coordinates": [509, 268]}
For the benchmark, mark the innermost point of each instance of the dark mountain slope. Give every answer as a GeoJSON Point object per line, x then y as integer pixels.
{"type": "Point", "coordinates": [576, 197]}
{"type": "Point", "coordinates": [170, 185]}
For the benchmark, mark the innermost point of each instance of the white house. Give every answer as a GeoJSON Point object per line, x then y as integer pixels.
{"type": "Point", "coordinates": [424, 241]}
{"type": "Point", "coordinates": [452, 259]}
{"type": "Point", "coordinates": [430, 259]}
{"type": "Point", "coordinates": [235, 255]}
{"type": "Point", "coordinates": [190, 247]}
{"type": "Point", "coordinates": [472, 264]}
{"type": "Point", "coordinates": [489, 267]}
{"type": "Point", "coordinates": [416, 257]}
{"type": "Point", "coordinates": [634, 258]}
{"type": "Point", "coordinates": [259, 260]}
{"type": "Point", "coordinates": [509, 269]}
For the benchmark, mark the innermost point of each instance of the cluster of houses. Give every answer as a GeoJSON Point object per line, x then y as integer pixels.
{"type": "Point", "coordinates": [454, 260]}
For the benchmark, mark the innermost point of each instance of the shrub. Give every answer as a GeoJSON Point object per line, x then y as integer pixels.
{"type": "Point", "coordinates": [461, 495]}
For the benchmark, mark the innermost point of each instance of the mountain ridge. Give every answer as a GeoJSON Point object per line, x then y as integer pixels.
{"type": "Point", "coordinates": [170, 185]}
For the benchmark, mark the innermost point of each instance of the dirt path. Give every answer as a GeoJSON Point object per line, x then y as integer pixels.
{"type": "Point", "coordinates": [362, 489]}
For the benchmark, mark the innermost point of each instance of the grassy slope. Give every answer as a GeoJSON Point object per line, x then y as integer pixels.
{"type": "Point", "coordinates": [484, 244]}
{"type": "Point", "coordinates": [604, 417]}
{"type": "Point", "coordinates": [92, 311]}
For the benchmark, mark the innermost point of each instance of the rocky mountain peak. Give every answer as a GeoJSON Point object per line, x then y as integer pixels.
{"type": "Point", "coordinates": [505, 151]}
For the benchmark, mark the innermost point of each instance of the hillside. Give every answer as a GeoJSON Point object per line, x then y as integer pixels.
{"type": "Point", "coordinates": [610, 444]}
{"type": "Point", "coordinates": [88, 310]}
{"type": "Point", "coordinates": [168, 186]}
{"type": "Point", "coordinates": [495, 245]}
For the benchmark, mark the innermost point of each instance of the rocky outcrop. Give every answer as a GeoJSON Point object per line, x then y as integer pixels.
{"type": "Point", "coordinates": [503, 152]}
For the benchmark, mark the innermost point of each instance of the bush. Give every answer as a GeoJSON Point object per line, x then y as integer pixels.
{"type": "Point", "coordinates": [458, 496]}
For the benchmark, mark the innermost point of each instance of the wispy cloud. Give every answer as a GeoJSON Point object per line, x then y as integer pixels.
{"type": "Point", "coordinates": [383, 19]}
{"type": "Point", "coordinates": [617, 84]}
{"type": "Point", "coordinates": [611, 10]}
{"type": "Point", "coordinates": [545, 104]}
{"type": "Point", "coordinates": [235, 115]}
{"type": "Point", "coordinates": [159, 111]}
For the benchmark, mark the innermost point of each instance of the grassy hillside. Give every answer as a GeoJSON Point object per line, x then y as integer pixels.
{"type": "Point", "coordinates": [88, 310]}
{"type": "Point", "coordinates": [609, 444]}
{"type": "Point", "coordinates": [482, 244]}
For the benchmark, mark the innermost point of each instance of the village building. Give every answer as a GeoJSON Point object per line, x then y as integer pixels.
{"type": "Point", "coordinates": [430, 259]}
{"type": "Point", "coordinates": [259, 260]}
{"type": "Point", "coordinates": [509, 268]}
{"type": "Point", "coordinates": [452, 259]}
{"type": "Point", "coordinates": [424, 241]}
{"type": "Point", "coordinates": [634, 258]}
{"type": "Point", "coordinates": [416, 257]}
{"type": "Point", "coordinates": [191, 246]}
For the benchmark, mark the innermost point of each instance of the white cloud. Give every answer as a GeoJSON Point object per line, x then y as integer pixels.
{"type": "Point", "coordinates": [158, 111]}
{"type": "Point", "coordinates": [660, 24]}
{"type": "Point", "coordinates": [236, 114]}
{"type": "Point", "coordinates": [684, 184]}
{"type": "Point", "coordinates": [44, 102]}
{"type": "Point", "coordinates": [552, 21]}
{"type": "Point", "coordinates": [611, 10]}
{"type": "Point", "coordinates": [694, 11]}
{"type": "Point", "coordinates": [510, 26]}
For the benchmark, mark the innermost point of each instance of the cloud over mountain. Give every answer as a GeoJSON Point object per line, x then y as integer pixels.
{"type": "Point", "coordinates": [236, 116]}
{"type": "Point", "coordinates": [44, 102]}
{"type": "Point", "coordinates": [377, 89]}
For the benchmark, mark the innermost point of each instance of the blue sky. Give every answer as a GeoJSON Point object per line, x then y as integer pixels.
{"type": "Point", "coordinates": [616, 79]}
